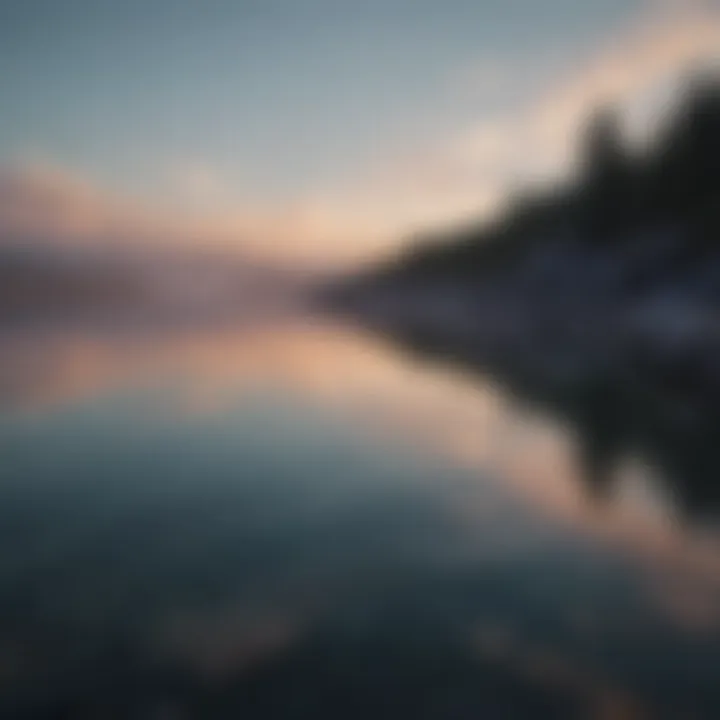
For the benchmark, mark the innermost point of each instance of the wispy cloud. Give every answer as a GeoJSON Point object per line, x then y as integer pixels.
{"type": "Point", "coordinates": [48, 206]}
{"type": "Point", "coordinates": [473, 170]}
{"type": "Point", "coordinates": [636, 72]}
{"type": "Point", "coordinates": [465, 173]}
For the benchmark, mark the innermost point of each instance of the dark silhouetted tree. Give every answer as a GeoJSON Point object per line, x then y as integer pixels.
{"type": "Point", "coordinates": [608, 194]}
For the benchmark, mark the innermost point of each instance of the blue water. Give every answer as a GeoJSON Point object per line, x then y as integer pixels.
{"type": "Point", "coordinates": [279, 525]}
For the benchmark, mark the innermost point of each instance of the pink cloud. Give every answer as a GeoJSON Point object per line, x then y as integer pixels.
{"type": "Point", "coordinates": [467, 174]}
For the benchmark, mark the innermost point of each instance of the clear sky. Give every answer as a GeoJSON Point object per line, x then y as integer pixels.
{"type": "Point", "coordinates": [274, 110]}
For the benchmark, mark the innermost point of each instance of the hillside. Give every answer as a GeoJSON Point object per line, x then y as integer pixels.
{"type": "Point", "coordinates": [630, 249]}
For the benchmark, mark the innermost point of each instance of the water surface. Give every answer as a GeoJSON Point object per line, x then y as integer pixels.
{"type": "Point", "coordinates": [296, 520]}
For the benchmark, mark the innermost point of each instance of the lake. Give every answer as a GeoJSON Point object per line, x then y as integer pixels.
{"type": "Point", "coordinates": [297, 519]}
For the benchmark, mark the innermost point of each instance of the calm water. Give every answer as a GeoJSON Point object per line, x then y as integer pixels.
{"type": "Point", "coordinates": [299, 521]}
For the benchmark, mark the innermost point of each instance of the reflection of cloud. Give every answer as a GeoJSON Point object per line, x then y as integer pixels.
{"type": "Point", "coordinates": [689, 601]}
{"type": "Point", "coordinates": [551, 669]}
{"type": "Point", "coordinates": [219, 646]}
{"type": "Point", "coordinates": [515, 463]}
{"type": "Point", "coordinates": [323, 364]}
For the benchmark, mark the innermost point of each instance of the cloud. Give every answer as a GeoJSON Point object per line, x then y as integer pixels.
{"type": "Point", "coordinates": [39, 201]}
{"type": "Point", "coordinates": [636, 72]}
{"type": "Point", "coordinates": [198, 184]}
{"type": "Point", "coordinates": [472, 171]}
{"type": "Point", "coordinates": [41, 204]}
{"type": "Point", "coordinates": [464, 174]}
{"type": "Point", "coordinates": [47, 206]}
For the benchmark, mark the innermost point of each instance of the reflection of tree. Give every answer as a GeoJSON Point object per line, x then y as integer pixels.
{"type": "Point", "coordinates": [616, 421]}
{"type": "Point", "coordinates": [664, 421]}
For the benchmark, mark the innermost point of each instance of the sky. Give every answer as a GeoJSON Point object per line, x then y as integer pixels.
{"type": "Point", "coordinates": [314, 132]}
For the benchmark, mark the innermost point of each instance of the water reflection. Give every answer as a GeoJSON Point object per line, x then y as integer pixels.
{"type": "Point", "coordinates": [290, 520]}
{"type": "Point", "coordinates": [665, 421]}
